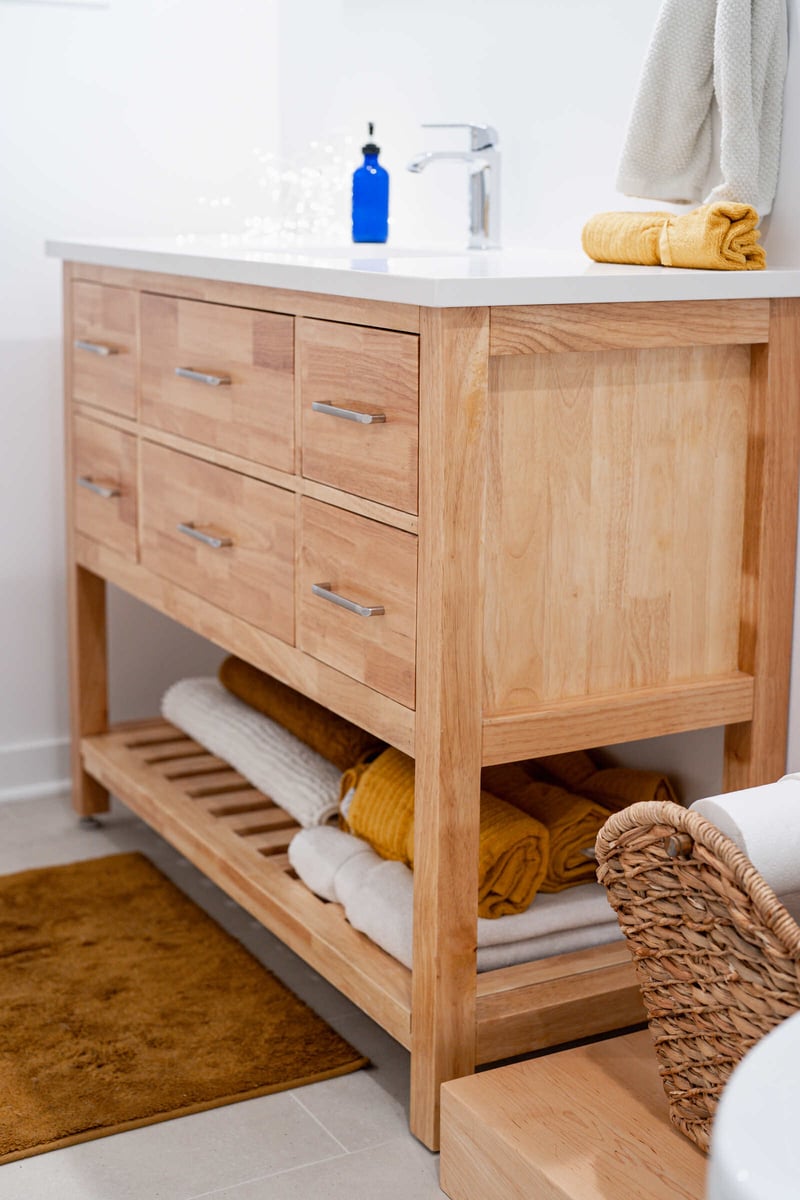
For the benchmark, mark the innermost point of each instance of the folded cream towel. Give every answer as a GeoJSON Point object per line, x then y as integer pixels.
{"type": "Point", "coordinates": [378, 896]}
{"type": "Point", "coordinates": [301, 781]}
{"type": "Point", "coordinates": [733, 52]}
{"type": "Point", "coordinates": [715, 237]}
{"type": "Point", "coordinates": [764, 822]}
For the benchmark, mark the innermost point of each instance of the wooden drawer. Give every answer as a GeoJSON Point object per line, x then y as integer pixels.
{"type": "Point", "coordinates": [223, 535]}
{"type": "Point", "coordinates": [104, 484]}
{"type": "Point", "coordinates": [240, 397]}
{"type": "Point", "coordinates": [368, 564]}
{"type": "Point", "coordinates": [353, 373]}
{"type": "Point", "coordinates": [104, 347]}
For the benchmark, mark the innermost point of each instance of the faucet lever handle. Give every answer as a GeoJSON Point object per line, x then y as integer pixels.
{"type": "Point", "coordinates": [482, 137]}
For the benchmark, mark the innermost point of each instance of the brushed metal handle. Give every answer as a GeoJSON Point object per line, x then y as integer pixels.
{"type": "Point", "coordinates": [208, 539]}
{"type": "Point", "coordinates": [347, 414]}
{"type": "Point", "coordinates": [323, 590]}
{"type": "Point", "coordinates": [202, 377]}
{"type": "Point", "coordinates": [107, 490]}
{"type": "Point", "coordinates": [95, 347]}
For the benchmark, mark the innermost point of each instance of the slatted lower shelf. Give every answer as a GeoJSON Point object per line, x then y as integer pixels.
{"type": "Point", "coordinates": [239, 838]}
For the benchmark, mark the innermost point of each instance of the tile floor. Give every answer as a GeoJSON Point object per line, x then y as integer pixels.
{"type": "Point", "coordinates": [342, 1139]}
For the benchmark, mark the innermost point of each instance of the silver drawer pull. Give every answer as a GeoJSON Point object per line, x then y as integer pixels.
{"type": "Point", "coordinates": [208, 539]}
{"type": "Point", "coordinates": [202, 377]}
{"type": "Point", "coordinates": [347, 414]}
{"type": "Point", "coordinates": [107, 490]}
{"type": "Point", "coordinates": [95, 347]}
{"type": "Point", "coordinates": [323, 590]}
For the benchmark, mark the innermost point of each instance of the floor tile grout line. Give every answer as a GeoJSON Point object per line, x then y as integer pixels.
{"type": "Point", "coordinates": [222, 1191]}
{"type": "Point", "coordinates": [321, 1124]}
{"type": "Point", "coordinates": [314, 1162]}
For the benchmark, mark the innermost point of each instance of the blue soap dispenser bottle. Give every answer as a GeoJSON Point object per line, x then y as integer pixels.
{"type": "Point", "coordinates": [370, 196]}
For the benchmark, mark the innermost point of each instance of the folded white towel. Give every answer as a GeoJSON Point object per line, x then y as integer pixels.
{"type": "Point", "coordinates": [320, 855]}
{"type": "Point", "coordinates": [764, 822]}
{"type": "Point", "coordinates": [378, 898]}
{"type": "Point", "coordinates": [734, 53]}
{"type": "Point", "coordinates": [301, 781]}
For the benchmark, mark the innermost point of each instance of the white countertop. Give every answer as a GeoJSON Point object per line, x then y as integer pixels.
{"type": "Point", "coordinates": [438, 277]}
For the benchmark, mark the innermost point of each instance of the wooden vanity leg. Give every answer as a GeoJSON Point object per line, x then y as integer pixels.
{"type": "Point", "coordinates": [86, 608]}
{"type": "Point", "coordinates": [454, 346]}
{"type": "Point", "coordinates": [88, 681]}
{"type": "Point", "coordinates": [755, 751]}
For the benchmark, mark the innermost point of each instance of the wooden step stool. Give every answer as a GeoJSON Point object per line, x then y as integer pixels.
{"type": "Point", "coordinates": [583, 1124]}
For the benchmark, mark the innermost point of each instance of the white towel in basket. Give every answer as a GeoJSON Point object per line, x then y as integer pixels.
{"type": "Point", "coordinates": [301, 781]}
{"type": "Point", "coordinates": [764, 822]}
{"type": "Point", "coordinates": [378, 897]}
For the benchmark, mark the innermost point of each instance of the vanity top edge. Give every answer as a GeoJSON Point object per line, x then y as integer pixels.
{"type": "Point", "coordinates": [434, 278]}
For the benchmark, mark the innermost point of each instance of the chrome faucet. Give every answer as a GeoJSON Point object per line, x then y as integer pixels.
{"type": "Point", "coordinates": [483, 160]}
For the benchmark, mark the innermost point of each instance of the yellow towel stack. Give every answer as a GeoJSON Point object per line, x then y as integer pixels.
{"type": "Point", "coordinates": [571, 821]}
{"type": "Point", "coordinates": [612, 787]}
{"type": "Point", "coordinates": [719, 237]}
{"type": "Point", "coordinates": [336, 739]}
{"type": "Point", "coordinates": [513, 846]}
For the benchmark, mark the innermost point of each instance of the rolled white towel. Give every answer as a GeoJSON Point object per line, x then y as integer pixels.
{"type": "Point", "coordinates": [319, 854]}
{"type": "Point", "coordinates": [301, 781]}
{"type": "Point", "coordinates": [378, 899]}
{"type": "Point", "coordinates": [764, 822]}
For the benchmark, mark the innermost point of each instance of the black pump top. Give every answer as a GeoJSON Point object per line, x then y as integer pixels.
{"type": "Point", "coordinates": [370, 147]}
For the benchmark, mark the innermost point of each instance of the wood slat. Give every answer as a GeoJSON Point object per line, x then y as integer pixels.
{"type": "Point", "coordinates": [556, 1000]}
{"type": "Point", "coordinates": [624, 717]}
{"type": "Point", "coordinates": [554, 328]}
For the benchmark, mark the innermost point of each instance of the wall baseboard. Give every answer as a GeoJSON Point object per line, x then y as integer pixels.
{"type": "Point", "coordinates": [31, 769]}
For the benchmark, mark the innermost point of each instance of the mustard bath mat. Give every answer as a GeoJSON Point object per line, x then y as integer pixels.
{"type": "Point", "coordinates": [122, 1004]}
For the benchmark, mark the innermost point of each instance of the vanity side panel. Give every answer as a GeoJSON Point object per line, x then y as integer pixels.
{"type": "Point", "coordinates": [613, 522]}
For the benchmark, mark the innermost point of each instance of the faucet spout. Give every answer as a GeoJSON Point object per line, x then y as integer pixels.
{"type": "Point", "coordinates": [420, 161]}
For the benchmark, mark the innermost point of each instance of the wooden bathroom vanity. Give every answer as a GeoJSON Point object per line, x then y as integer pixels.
{"type": "Point", "coordinates": [576, 514]}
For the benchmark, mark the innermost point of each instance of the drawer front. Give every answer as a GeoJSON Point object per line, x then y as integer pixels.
{"type": "Point", "coordinates": [351, 372]}
{"type": "Point", "coordinates": [222, 535]}
{"type": "Point", "coordinates": [235, 383]}
{"type": "Point", "coordinates": [104, 347]}
{"type": "Point", "coordinates": [369, 565]}
{"type": "Point", "coordinates": [104, 484]}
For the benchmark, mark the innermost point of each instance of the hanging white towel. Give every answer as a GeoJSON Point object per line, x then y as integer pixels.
{"type": "Point", "coordinates": [729, 52]}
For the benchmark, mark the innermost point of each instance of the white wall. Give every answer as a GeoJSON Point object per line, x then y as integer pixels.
{"type": "Point", "coordinates": [117, 118]}
{"type": "Point", "coordinates": [137, 116]}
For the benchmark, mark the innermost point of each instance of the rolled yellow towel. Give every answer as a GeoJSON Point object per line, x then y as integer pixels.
{"type": "Point", "coordinates": [572, 822]}
{"type": "Point", "coordinates": [719, 237]}
{"type": "Point", "coordinates": [512, 848]}
{"type": "Point", "coordinates": [338, 740]}
{"type": "Point", "coordinates": [612, 787]}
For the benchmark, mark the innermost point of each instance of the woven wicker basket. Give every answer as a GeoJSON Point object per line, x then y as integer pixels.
{"type": "Point", "coordinates": [716, 953]}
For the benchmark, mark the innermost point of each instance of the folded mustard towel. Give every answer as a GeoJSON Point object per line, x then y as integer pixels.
{"type": "Point", "coordinates": [336, 739]}
{"type": "Point", "coordinates": [611, 787]}
{"type": "Point", "coordinates": [513, 847]}
{"type": "Point", "coordinates": [572, 821]}
{"type": "Point", "coordinates": [716, 237]}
